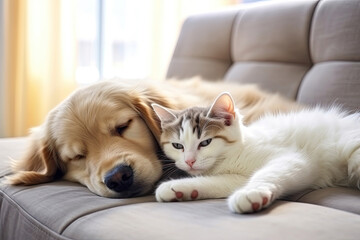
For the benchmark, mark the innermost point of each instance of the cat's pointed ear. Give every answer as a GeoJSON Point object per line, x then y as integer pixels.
{"type": "Point", "coordinates": [223, 105]}
{"type": "Point", "coordinates": [164, 114]}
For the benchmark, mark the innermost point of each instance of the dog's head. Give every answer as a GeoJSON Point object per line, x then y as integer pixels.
{"type": "Point", "coordinates": [102, 136]}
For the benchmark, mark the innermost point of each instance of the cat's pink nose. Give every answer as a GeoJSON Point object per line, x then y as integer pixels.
{"type": "Point", "coordinates": [190, 161]}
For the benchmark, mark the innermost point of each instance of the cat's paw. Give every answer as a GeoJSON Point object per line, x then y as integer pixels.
{"type": "Point", "coordinates": [250, 200]}
{"type": "Point", "coordinates": [175, 190]}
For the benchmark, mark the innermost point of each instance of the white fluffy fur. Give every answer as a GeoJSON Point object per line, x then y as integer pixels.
{"type": "Point", "coordinates": [273, 157]}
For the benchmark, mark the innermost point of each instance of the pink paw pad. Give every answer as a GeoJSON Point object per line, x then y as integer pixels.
{"type": "Point", "coordinates": [179, 195]}
{"type": "Point", "coordinates": [265, 201]}
{"type": "Point", "coordinates": [255, 206]}
{"type": "Point", "coordinates": [194, 194]}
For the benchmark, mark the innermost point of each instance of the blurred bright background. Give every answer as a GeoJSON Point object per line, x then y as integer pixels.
{"type": "Point", "coordinates": [50, 47]}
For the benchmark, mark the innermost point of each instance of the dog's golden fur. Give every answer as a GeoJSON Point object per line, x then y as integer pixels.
{"type": "Point", "coordinates": [110, 123]}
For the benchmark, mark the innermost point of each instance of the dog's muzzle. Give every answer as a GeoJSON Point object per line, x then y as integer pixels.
{"type": "Point", "coordinates": [120, 178]}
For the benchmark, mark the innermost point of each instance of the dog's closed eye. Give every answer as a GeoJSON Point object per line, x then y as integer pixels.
{"type": "Point", "coordinates": [78, 157]}
{"type": "Point", "coordinates": [120, 129]}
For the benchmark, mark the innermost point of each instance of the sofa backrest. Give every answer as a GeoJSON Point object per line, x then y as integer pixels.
{"type": "Point", "coordinates": [307, 50]}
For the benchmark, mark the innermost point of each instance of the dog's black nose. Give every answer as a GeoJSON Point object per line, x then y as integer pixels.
{"type": "Point", "coordinates": [119, 178]}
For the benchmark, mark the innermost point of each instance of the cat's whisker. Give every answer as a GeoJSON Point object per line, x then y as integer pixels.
{"type": "Point", "coordinates": [169, 166]}
{"type": "Point", "coordinates": [172, 173]}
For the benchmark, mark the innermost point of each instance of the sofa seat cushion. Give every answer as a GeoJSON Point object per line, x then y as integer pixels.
{"type": "Point", "coordinates": [211, 219]}
{"type": "Point", "coordinates": [53, 206]}
{"type": "Point", "coordinates": [10, 148]}
{"type": "Point", "coordinates": [64, 210]}
{"type": "Point", "coordinates": [345, 199]}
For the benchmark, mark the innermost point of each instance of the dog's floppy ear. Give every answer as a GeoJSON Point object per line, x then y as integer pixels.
{"type": "Point", "coordinates": [143, 107]}
{"type": "Point", "coordinates": [40, 164]}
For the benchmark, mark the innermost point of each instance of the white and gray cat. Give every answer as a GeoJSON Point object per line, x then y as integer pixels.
{"type": "Point", "coordinates": [257, 164]}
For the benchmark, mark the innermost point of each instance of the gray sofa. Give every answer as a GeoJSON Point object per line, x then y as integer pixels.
{"type": "Point", "coordinates": [307, 50]}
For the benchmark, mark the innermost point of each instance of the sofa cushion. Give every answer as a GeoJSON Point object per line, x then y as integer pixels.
{"type": "Point", "coordinates": [273, 32]}
{"type": "Point", "coordinates": [346, 199]}
{"type": "Point", "coordinates": [335, 32]}
{"type": "Point", "coordinates": [52, 207]}
{"type": "Point", "coordinates": [332, 82]}
{"type": "Point", "coordinates": [10, 148]}
{"type": "Point", "coordinates": [335, 51]}
{"type": "Point", "coordinates": [63, 210]}
{"type": "Point", "coordinates": [276, 55]}
{"type": "Point", "coordinates": [201, 49]}
{"type": "Point", "coordinates": [274, 77]}
{"type": "Point", "coordinates": [211, 219]}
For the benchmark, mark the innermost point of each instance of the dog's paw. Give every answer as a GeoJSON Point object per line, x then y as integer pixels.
{"type": "Point", "coordinates": [176, 190]}
{"type": "Point", "coordinates": [250, 200]}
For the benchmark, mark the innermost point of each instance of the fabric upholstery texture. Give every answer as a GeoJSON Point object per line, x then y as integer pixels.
{"type": "Point", "coordinates": [204, 50]}
{"type": "Point", "coordinates": [307, 50]}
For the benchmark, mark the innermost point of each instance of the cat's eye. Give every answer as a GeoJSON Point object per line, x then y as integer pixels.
{"type": "Point", "coordinates": [205, 142]}
{"type": "Point", "coordinates": [178, 146]}
{"type": "Point", "coordinates": [120, 129]}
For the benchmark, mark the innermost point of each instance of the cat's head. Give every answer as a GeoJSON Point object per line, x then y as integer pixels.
{"type": "Point", "coordinates": [198, 138]}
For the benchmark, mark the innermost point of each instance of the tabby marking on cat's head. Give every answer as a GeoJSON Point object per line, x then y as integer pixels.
{"type": "Point", "coordinates": [197, 138]}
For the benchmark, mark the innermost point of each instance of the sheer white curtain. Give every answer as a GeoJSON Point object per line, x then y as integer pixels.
{"type": "Point", "coordinates": [38, 61]}
{"type": "Point", "coordinates": [135, 37]}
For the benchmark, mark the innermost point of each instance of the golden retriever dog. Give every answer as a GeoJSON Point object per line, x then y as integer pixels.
{"type": "Point", "coordinates": [105, 136]}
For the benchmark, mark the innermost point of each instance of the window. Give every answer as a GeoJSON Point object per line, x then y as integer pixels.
{"type": "Point", "coordinates": [113, 39]}
{"type": "Point", "coordinates": [88, 39]}
{"type": "Point", "coordinates": [131, 39]}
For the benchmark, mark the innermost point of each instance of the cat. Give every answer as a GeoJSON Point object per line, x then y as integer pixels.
{"type": "Point", "coordinates": [254, 165]}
